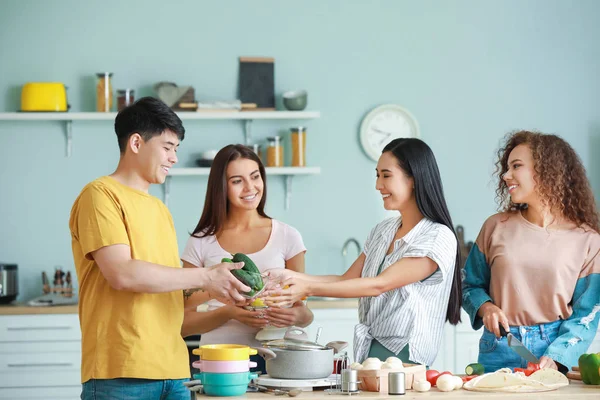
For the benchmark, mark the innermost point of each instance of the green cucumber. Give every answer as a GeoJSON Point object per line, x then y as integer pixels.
{"type": "Point", "coordinates": [248, 263]}
{"type": "Point", "coordinates": [474, 369]}
{"type": "Point", "coordinates": [226, 260]}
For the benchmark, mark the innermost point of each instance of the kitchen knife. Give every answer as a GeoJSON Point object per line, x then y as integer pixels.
{"type": "Point", "coordinates": [518, 347]}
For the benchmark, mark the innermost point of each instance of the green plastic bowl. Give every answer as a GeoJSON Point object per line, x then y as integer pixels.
{"type": "Point", "coordinates": [223, 385]}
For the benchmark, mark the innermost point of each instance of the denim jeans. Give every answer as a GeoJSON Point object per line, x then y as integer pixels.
{"type": "Point", "coordinates": [135, 389]}
{"type": "Point", "coordinates": [494, 353]}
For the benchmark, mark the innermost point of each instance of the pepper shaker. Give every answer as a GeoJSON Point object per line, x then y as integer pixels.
{"type": "Point", "coordinates": [396, 384]}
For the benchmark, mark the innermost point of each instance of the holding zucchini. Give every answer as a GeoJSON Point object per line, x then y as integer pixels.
{"type": "Point", "coordinates": [249, 274]}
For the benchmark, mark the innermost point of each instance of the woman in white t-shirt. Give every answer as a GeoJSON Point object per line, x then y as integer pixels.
{"type": "Point", "coordinates": [234, 221]}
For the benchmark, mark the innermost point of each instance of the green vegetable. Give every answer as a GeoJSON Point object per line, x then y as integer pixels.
{"type": "Point", "coordinates": [249, 274]}
{"type": "Point", "coordinates": [474, 369]}
{"type": "Point", "coordinates": [248, 263]}
{"type": "Point", "coordinates": [589, 367]}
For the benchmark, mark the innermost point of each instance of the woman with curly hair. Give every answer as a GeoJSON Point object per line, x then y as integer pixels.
{"type": "Point", "coordinates": [535, 267]}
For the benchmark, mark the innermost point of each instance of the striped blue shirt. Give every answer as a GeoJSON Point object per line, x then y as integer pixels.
{"type": "Point", "coordinates": [413, 314]}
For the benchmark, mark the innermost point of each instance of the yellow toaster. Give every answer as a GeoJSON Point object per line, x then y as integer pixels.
{"type": "Point", "coordinates": [44, 96]}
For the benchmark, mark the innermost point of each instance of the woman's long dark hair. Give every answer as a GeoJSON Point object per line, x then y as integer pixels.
{"type": "Point", "coordinates": [417, 160]}
{"type": "Point", "coordinates": [216, 204]}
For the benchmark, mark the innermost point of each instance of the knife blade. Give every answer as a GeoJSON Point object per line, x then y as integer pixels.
{"type": "Point", "coordinates": [518, 347]}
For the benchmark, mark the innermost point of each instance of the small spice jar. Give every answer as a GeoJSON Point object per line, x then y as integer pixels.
{"type": "Point", "coordinates": [125, 97]}
{"type": "Point", "coordinates": [104, 94]}
{"type": "Point", "coordinates": [256, 149]}
{"type": "Point", "coordinates": [274, 152]}
{"type": "Point", "coordinates": [298, 146]}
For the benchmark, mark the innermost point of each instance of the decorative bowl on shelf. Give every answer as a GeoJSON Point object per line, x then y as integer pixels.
{"type": "Point", "coordinates": [204, 163]}
{"type": "Point", "coordinates": [295, 100]}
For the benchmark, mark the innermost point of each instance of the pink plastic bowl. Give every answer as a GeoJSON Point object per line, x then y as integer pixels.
{"type": "Point", "coordinates": [227, 367]}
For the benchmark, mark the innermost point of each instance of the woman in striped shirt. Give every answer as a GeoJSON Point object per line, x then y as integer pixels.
{"type": "Point", "coordinates": [406, 276]}
{"type": "Point", "coordinates": [535, 267]}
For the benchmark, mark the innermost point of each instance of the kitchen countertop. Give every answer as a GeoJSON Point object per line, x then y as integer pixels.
{"type": "Point", "coordinates": [576, 390]}
{"type": "Point", "coordinates": [22, 309]}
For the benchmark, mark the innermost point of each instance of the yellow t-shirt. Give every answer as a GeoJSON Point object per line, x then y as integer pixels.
{"type": "Point", "coordinates": [126, 334]}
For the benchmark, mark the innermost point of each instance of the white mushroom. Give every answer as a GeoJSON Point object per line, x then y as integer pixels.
{"type": "Point", "coordinates": [356, 366]}
{"type": "Point", "coordinates": [458, 382]}
{"type": "Point", "coordinates": [445, 383]}
{"type": "Point", "coordinates": [422, 386]}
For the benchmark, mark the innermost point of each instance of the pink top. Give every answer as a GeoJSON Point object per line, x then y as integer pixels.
{"type": "Point", "coordinates": [284, 243]}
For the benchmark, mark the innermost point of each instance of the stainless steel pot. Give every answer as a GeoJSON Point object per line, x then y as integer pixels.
{"type": "Point", "coordinates": [313, 361]}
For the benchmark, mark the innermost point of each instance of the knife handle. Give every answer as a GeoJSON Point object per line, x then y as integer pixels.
{"type": "Point", "coordinates": [503, 332]}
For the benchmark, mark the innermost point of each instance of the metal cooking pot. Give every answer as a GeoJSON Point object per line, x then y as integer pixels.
{"type": "Point", "coordinates": [297, 358]}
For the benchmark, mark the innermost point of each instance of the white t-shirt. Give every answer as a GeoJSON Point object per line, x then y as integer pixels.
{"type": "Point", "coordinates": [284, 243]}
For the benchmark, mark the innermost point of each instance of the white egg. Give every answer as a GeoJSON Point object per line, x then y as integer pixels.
{"type": "Point", "coordinates": [392, 360]}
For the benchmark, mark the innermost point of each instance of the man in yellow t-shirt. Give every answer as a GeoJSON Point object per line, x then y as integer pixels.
{"type": "Point", "coordinates": [127, 261]}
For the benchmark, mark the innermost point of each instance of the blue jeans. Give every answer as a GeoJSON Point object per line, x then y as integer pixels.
{"type": "Point", "coordinates": [135, 389]}
{"type": "Point", "coordinates": [494, 353]}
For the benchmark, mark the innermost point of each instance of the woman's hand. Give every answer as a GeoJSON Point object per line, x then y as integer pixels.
{"type": "Point", "coordinates": [492, 317]}
{"type": "Point", "coordinates": [547, 362]}
{"type": "Point", "coordinates": [284, 317]}
{"type": "Point", "coordinates": [283, 298]}
{"type": "Point", "coordinates": [255, 319]}
{"type": "Point", "coordinates": [278, 275]}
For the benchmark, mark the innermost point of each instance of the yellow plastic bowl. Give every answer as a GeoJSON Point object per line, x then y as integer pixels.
{"type": "Point", "coordinates": [224, 352]}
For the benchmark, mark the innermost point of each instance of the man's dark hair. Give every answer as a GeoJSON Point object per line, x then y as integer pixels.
{"type": "Point", "coordinates": [148, 117]}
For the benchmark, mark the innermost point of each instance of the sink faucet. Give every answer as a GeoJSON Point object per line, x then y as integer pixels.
{"type": "Point", "coordinates": [347, 243]}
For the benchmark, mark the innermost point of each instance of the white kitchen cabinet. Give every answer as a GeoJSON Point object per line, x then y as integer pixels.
{"type": "Point", "coordinates": [337, 324]}
{"type": "Point", "coordinates": [40, 356]}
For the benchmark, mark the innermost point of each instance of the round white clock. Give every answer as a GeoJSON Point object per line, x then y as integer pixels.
{"type": "Point", "coordinates": [382, 125]}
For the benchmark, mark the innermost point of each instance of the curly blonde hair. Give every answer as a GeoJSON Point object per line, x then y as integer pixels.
{"type": "Point", "coordinates": [561, 181]}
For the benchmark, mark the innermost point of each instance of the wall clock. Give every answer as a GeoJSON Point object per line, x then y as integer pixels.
{"type": "Point", "coordinates": [384, 124]}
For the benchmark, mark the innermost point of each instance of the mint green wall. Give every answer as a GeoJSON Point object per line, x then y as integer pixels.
{"type": "Point", "coordinates": [468, 70]}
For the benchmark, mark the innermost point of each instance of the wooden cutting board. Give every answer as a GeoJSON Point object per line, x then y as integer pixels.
{"type": "Point", "coordinates": [575, 375]}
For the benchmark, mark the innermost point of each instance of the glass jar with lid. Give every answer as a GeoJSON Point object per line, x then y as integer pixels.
{"type": "Point", "coordinates": [104, 94]}
{"type": "Point", "coordinates": [298, 146]}
{"type": "Point", "coordinates": [274, 152]}
{"type": "Point", "coordinates": [125, 97]}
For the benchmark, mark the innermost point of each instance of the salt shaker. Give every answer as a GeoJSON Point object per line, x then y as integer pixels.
{"type": "Point", "coordinates": [349, 380]}
{"type": "Point", "coordinates": [396, 383]}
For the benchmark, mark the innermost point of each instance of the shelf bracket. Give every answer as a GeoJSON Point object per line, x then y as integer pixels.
{"type": "Point", "coordinates": [69, 137]}
{"type": "Point", "coordinates": [248, 131]}
{"type": "Point", "coordinates": [167, 190]}
{"type": "Point", "coordinates": [288, 190]}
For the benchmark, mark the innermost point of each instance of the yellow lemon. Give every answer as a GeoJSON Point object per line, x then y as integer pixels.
{"type": "Point", "coordinates": [258, 302]}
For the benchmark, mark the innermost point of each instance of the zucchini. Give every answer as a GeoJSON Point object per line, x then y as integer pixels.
{"type": "Point", "coordinates": [248, 263]}
{"type": "Point", "coordinates": [474, 369]}
{"type": "Point", "coordinates": [253, 280]}
{"type": "Point", "coordinates": [226, 260]}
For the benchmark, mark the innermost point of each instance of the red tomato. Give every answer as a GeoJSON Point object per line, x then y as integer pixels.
{"type": "Point", "coordinates": [430, 375]}
{"type": "Point", "coordinates": [533, 367]}
{"type": "Point", "coordinates": [467, 378]}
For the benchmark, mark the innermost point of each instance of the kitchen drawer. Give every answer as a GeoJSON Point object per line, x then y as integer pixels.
{"type": "Point", "coordinates": [39, 347]}
{"type": "Point", "coordinates": [42, 393]}
{"type": "Point", "coordinates": [48, 327]}
{"type": "Point", "coordinates": [40, 369]}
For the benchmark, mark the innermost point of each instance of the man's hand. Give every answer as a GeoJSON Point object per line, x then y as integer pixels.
{"type": "Point", "coordinates": [493, 316]}
{"type": "Point", "coordinates": [222, 285]}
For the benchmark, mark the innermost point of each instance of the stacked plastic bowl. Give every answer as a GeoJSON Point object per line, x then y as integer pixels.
{"type": "Point", "coordinates": [225, 369]}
